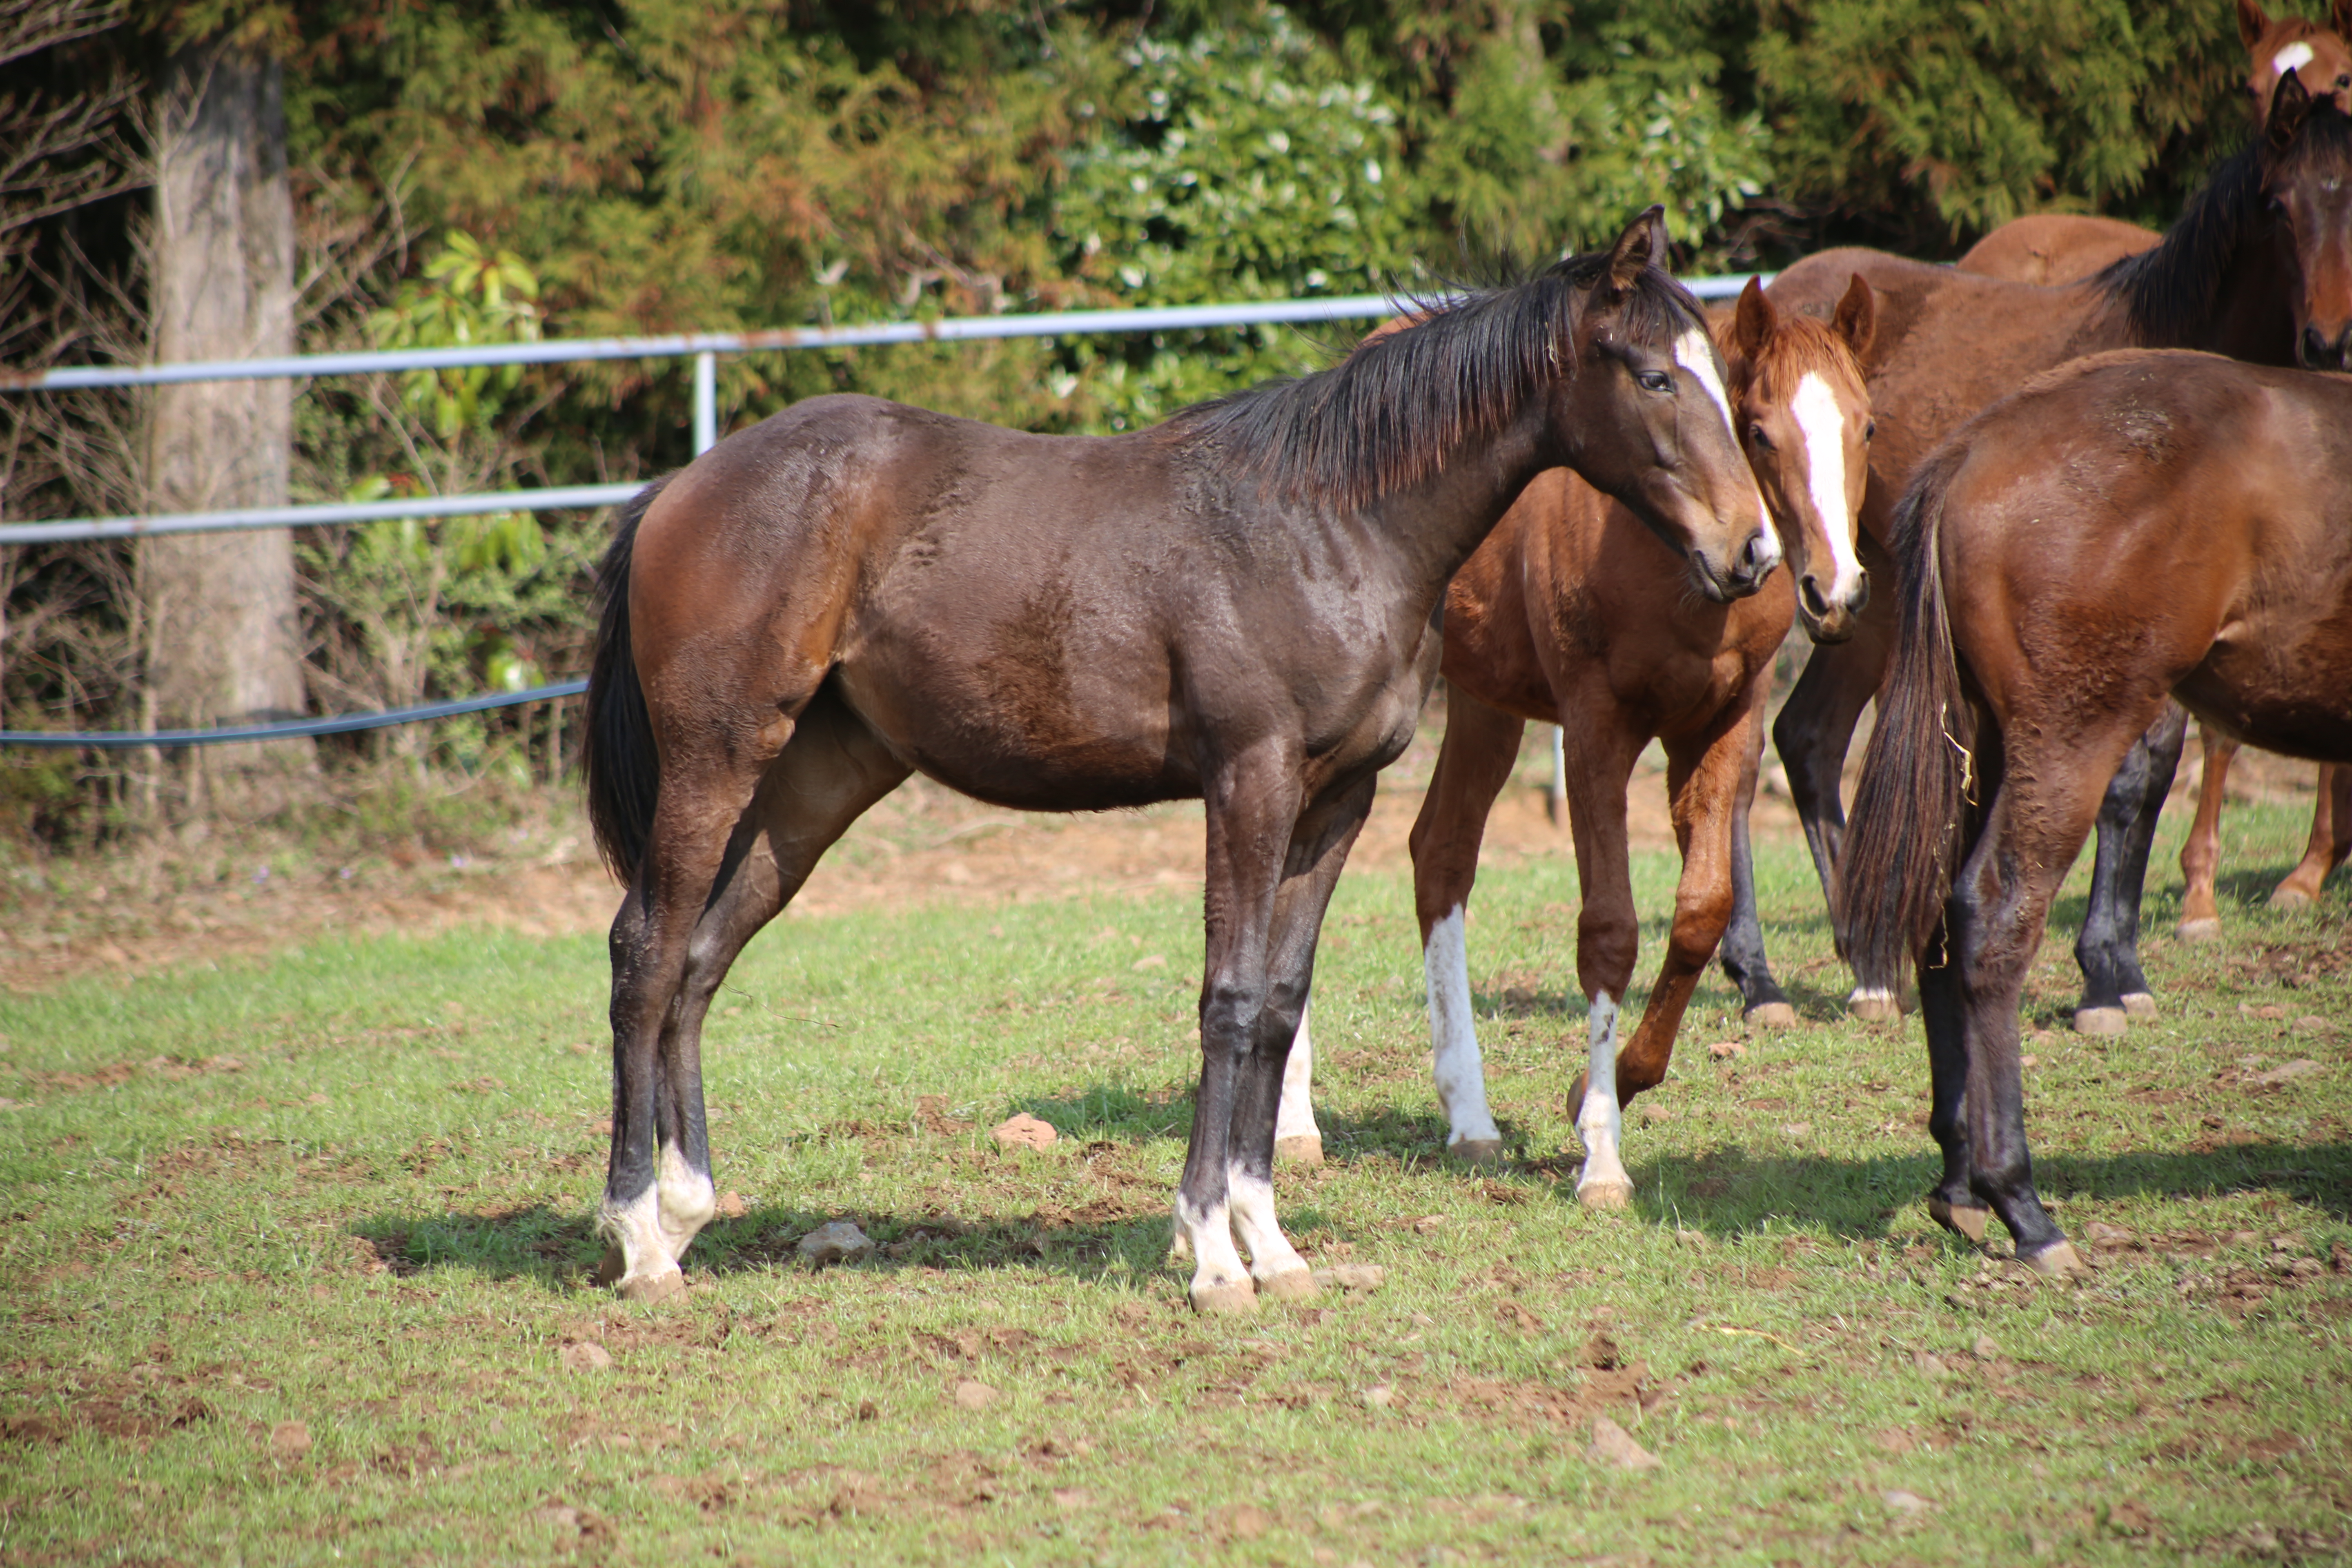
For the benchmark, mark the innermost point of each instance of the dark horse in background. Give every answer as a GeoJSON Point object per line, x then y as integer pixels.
{"type": "Point", "coordinates": [2259, 268]}
{"type": "Point", "coordinates": [2131, 526]}
{"type": "Point", "coordinates": [1239, 605]}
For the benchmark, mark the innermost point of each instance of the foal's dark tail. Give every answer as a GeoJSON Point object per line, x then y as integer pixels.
{"type": "Point", "coordinates": [1918, 778]}
{"type": "Point", "coordinates": [623, 771]}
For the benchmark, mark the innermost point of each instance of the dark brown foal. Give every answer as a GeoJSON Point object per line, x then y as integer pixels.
{"type": "Point", "coordinates": [1572, 612]}
{"type": "Point", "coordinates": [1239, 605]}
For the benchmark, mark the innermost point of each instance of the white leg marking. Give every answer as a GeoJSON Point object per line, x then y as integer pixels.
{"type": "Point", "coordinates": [1295, 1119]}
{"type": "Point", "coordinates": [1604, 1183]}
{"type": "Point", "coordinates": [687, 1202]}
{"type": "Point", "coordinates": [1453, 1037]}
{"type": "Point", "coordinates": [636, 1228]}
{"type": "Point", "coordinates": [1816, 409]}
{"type": "Point", "coordinates": [2292, 58]}
{"type": "Point", "coordinates": [1216, 1265]}
{"type": "Point", "coordinates": [1270, 1251]}
{"type": "Point", "coordinates": [1694, 352]}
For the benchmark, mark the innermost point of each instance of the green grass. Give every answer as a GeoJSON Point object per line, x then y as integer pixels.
{"type": "Point", "coordinates": [296, 1254]}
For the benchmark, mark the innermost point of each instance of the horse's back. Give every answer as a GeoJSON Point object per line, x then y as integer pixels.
{"type": "Point", "coordinates": [2055, 247]}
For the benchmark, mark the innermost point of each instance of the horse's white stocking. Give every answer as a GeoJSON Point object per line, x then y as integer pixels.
{"type": "Point", "coordinates": [1275, 1264]}
{"type": "Point", "coordinates": [1296, 1136]}
{"type": "Point", "coordinates": [1604, 1183]}
{"type": "Point", "coordinates": [1220, 1283]}
{"type": "Point", "coordinates": [1460, 1074]}
{"type": "Point", "coordinates": [652, 1231]}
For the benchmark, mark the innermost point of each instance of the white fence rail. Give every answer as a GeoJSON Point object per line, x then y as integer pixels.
{"type": "Point", "coordinates": [705, 348]}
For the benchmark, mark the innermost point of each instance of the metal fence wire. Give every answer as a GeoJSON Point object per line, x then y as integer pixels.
{"type": "Point", "coordinates": [703, 347]}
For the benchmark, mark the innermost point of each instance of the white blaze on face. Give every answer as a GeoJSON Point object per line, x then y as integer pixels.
{"type": "Point", "coordinates": [1696, 354]}
{"type": "Point", "coordinates": [1452, 1037]}
{"type": "Point", "coordinates": [1815, 409]}
{"type": "Point", "coordinates": [2295, 56]}
{"type": "Point", "coordinates": [1598, 1121]}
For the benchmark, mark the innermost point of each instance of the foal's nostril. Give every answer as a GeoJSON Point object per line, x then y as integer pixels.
{"type": "Point", "coordinates": [1809, 590]}
{"type": "Point", "coordinates": [2318, 352]}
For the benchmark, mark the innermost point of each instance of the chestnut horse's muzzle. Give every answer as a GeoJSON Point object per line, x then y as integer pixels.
{"type": "Point", "coordinates": [1828, 621]}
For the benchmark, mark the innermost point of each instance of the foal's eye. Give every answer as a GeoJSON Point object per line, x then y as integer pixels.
{"type": "Point", "coordinates": [1870, 429]}
{"type": "Point", "coordinates": [1757, 438]}
{"type": "Point", "coordinates": [1655, 381]}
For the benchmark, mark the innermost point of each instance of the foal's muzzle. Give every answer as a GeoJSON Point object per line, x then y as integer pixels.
{"type": "Point", "coordinates": [1827, 621]}
{"type": "Point", "coordinates": [2314, 350]}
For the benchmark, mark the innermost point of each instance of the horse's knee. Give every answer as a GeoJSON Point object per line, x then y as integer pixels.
{"type": "Point", "coordinates": [1605, 951]}
{"type": "Point", "coordinates": [1699, 922]}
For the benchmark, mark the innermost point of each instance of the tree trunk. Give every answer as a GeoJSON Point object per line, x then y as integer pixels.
{"type": "Point", "coordinates": [223, 639]}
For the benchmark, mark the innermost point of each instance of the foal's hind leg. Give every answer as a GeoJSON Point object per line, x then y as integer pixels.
{"type": "Point", "coordinates": [2330, 841]}
{"type": "Point", "coordinates": [1481, 745]}
{"type": "Point", "coordinates": [1601, 754]}
{"type": "Point", "coordinates": [831, 771]}
{"type": "Point", "coordinates": [1741, 951]}
{"type": "Point", "coordinates": [2107, 950]}
{"type": "Point", "coordinates": [2201, 852]}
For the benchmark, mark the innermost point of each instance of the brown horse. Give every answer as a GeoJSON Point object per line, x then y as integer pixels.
{"type": "Point", "coordinates": [2133, 525]}
{"type": "Point", "coordinates": [2260, 268]}
{"type": "Point", "coordinates": [1572, 612]}
{"type": "Point", "coordinates": [1238, 606]}
{"type": "Point", "coordinates": [2058, 247]}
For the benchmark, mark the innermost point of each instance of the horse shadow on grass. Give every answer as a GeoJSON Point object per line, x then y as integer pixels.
{"type": "Point", "coordinates": [1734, 1190]}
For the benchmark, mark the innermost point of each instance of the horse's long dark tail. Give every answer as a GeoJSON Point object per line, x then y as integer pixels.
{"type": "Point", "coordinates": [622, 768]}
{"type": "Point", "coordinates": [1918, 781]}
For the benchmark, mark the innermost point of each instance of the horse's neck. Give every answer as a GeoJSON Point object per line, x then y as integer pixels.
{"type": "Point", "coordinates": [2249, 316]}
{"type": "Point", "coordinates": [1434, 526]}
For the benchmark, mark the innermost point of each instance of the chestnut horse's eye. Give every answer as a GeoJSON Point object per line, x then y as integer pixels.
{"type": "Point", "coordinates": [1756, 435]}
{"type": "Point", "coordinates": [1655, 381]}
{"type": "Point", "coordinates": [1870, 429]}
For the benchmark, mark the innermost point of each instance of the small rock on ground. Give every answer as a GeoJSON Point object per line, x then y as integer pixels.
{"type": "Point", "coordinates": [1612, 1445]}
{"type": "Point", "coordinates": [290, 1440]}
{"type": "Point", "coordinates": [1359, 1278]}
{"type": "Point", "coordinates": [1724, 1051]}
{"type": "Point", "coordinates": [975, 1396]}
{"type": "Point", "coordinates": [2302, 1067]}
{"type": "Point", "coordinates": [1379, 1395]}
{"type": "Point", "coordinates": [838, 1241]}
{"type": "Point", "coordinates": [1910, 1503]}
{"type": "Point", "coordinates": [1024, 1132]}
{"type": "Point", "coordinates": [586, 1357]}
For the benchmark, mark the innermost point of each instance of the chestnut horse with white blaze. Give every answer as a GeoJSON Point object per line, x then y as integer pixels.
{"type": "Point", "coordinates": [2260, 268]}
{"type": "Point", "coordinates": [2132, 526]}
{"type": "Point", "coordinates": [1573, 612]}
{"type": "Point", "coordinates": [1239, 605]}
{"type": "Point", "coordinates": [2060, 248]}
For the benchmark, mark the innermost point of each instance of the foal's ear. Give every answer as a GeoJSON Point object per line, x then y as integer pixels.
{"type": "Point", "coordinates": [1857, 315]}
{"type": "Point", "coordinates": [1644, 243]}
{"type": "Point", "coordinates": [2290, 105]}
{"type": "Point", "coordinates": [1753, 322]}
{"type": "Point", "coordinates": [2251, 23]}
{"type": "Point", "coordinates": [2339, 19]}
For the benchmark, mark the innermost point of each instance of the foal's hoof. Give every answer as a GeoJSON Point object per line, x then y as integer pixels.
{"type": "Point", "coordinates": [2205, 929]}
{"type": "Point", "coordinates": [2290, 898]}
{"type": "Point", "coordinates": [1292, 1285]}
{"type": "Point", "coordinates": [647, 1289]}
{"type": "Point", "coordinates": [1617, 1194]}
{"type": "Point", "coordinates": [1300, 1149]}
{"type": "Point", "coordinates": [2138, 1004]}
{"type": "Point", "coordinates": [1479, 1153]}
{"type": "Point", "coordinates": [1969, 1223]}
{"type": "Point", "coordinates": [2100, 1021]}
{"type": "Point", "coordinates": [1227, 1300]}
{"type": "Point", "coordinates": [1874, 1007]}
{"type": "Point", "coordinates": [1771, 1016]}
{"type": "Point", "coordinates": [2058, 1260]}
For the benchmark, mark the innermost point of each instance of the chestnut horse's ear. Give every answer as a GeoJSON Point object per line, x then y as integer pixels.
{"type": "Point", "coordinates": [1753, 322]}
{"type": "Point", "coordinates": [2251, 23]}
{"type": "Point", "coordinates": [2290, 105]}
{"type": "Point", "coordinates": [1644, 243]}
{"type": "Point", "coordinates": [1858, 316]}
{"type": "Point", "coordinates": [2339, 19]}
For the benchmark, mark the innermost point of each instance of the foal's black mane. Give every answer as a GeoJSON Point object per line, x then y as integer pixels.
{"type": "Point", "coordinates": [2170, 290]}
{"type": "Point", "coordinates": [1392, 413]}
